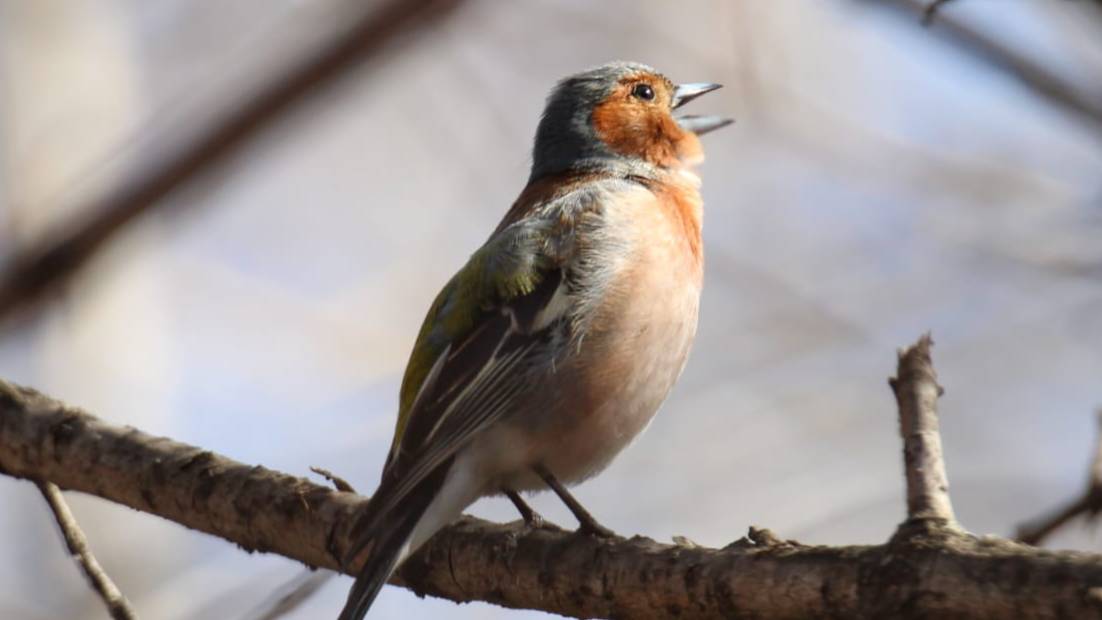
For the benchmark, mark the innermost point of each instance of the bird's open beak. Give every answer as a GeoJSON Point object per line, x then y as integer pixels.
{"type": "Point", "coordinates": [684, 93]}
{"type": "Point", "coordinates": [700, 125]}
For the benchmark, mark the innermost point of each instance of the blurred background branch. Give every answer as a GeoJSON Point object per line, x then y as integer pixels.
{"type": "Point", "coordinates": [1087, 505]}
{"type": "Point", "coordinates": [291, 595]}
{"type": "Point", "coordinates": [932, 7]}
{"type": "Point", "coordinates": [987, 47]}
{"type": "Point", "coordinates": [30, 274]}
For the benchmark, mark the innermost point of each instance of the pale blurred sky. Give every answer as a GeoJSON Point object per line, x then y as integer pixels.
{"type": "Point", "coordinates": [879, 182]}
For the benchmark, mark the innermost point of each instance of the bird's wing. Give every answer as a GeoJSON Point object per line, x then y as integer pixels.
{"type": "Point", "coordinates": [498, 318]}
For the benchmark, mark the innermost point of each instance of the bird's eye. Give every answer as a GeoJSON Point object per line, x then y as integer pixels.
{"type": "Point", "coordinates": [643, 91]}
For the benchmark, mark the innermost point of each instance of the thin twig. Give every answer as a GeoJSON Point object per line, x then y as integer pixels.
{"type": "Point", "coordinates": [1036, 533]}
{"type": "Point", "coordinates": [1089, 504]}
{"type": "Point", "coordinates": [37, 270]}
{"type": "Point", "coordinates": [339, 483]}
{"type": "Point", "coordinates": [116, 603]}
{"type": "Point", "coordinates": [916, 391]}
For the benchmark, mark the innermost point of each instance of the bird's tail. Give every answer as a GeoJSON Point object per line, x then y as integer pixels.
{"type": "Point", "coordinates": [385, 531]}
{"type": "Point", "coordinates": [389, 543]}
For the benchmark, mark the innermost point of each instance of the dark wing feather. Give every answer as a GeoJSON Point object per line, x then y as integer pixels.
{"type": "Point", "coordinates": [477, 383]}
{"type": "Point", "coordinates": [478, 380]}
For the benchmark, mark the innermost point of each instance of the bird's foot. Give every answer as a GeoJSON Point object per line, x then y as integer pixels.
{"type": "Point", "coordinates": [532, 519]}
{"type": "Point", "coordinates": [586, 523]}
{"type": "Point", "coordinates": [594, 529]}
{"type": "Point", "coordinates": [537, 522]}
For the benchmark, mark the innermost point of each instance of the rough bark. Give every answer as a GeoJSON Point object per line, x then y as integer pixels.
{"type": "Point", "coordinates": [926, 570]}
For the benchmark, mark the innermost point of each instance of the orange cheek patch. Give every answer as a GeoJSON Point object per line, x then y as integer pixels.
{"type": "Point", "coordinates": [637, 130]}
{"type": "Point", "coordinates": [620, 126]}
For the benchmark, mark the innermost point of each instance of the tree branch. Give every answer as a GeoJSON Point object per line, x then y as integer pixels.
{"type": "Point", "coordinates": [33, 272]}
{"type": "Point", "coordinates": [946, 573]}
{"type": "Point", "coordinates": [116, 603]}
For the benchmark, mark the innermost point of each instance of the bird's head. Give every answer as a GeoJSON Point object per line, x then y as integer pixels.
{"type": "Point", "coordinates": [620, 111]}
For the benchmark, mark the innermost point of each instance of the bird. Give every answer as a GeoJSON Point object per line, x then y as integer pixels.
{"type": "Point", "coordinates": [552, 348]}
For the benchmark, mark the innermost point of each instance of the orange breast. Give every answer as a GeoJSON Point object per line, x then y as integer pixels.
{"type": "Point", "coordinates": [682, 206]}
{"type": "Point", "coordinates": [640, 337]}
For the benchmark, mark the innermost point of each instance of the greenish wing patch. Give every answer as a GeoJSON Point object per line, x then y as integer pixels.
{"type": "Point", "coordinates": [511, 264]}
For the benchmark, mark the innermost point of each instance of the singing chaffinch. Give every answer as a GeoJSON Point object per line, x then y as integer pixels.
{"type": "Point", "coordinates": [555, 344]}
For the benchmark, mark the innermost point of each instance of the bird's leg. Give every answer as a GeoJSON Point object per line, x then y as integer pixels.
{"type": "Point", "coordinates": [531, 518]}
{"type": "Point", "coordinates": [587, 523]}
